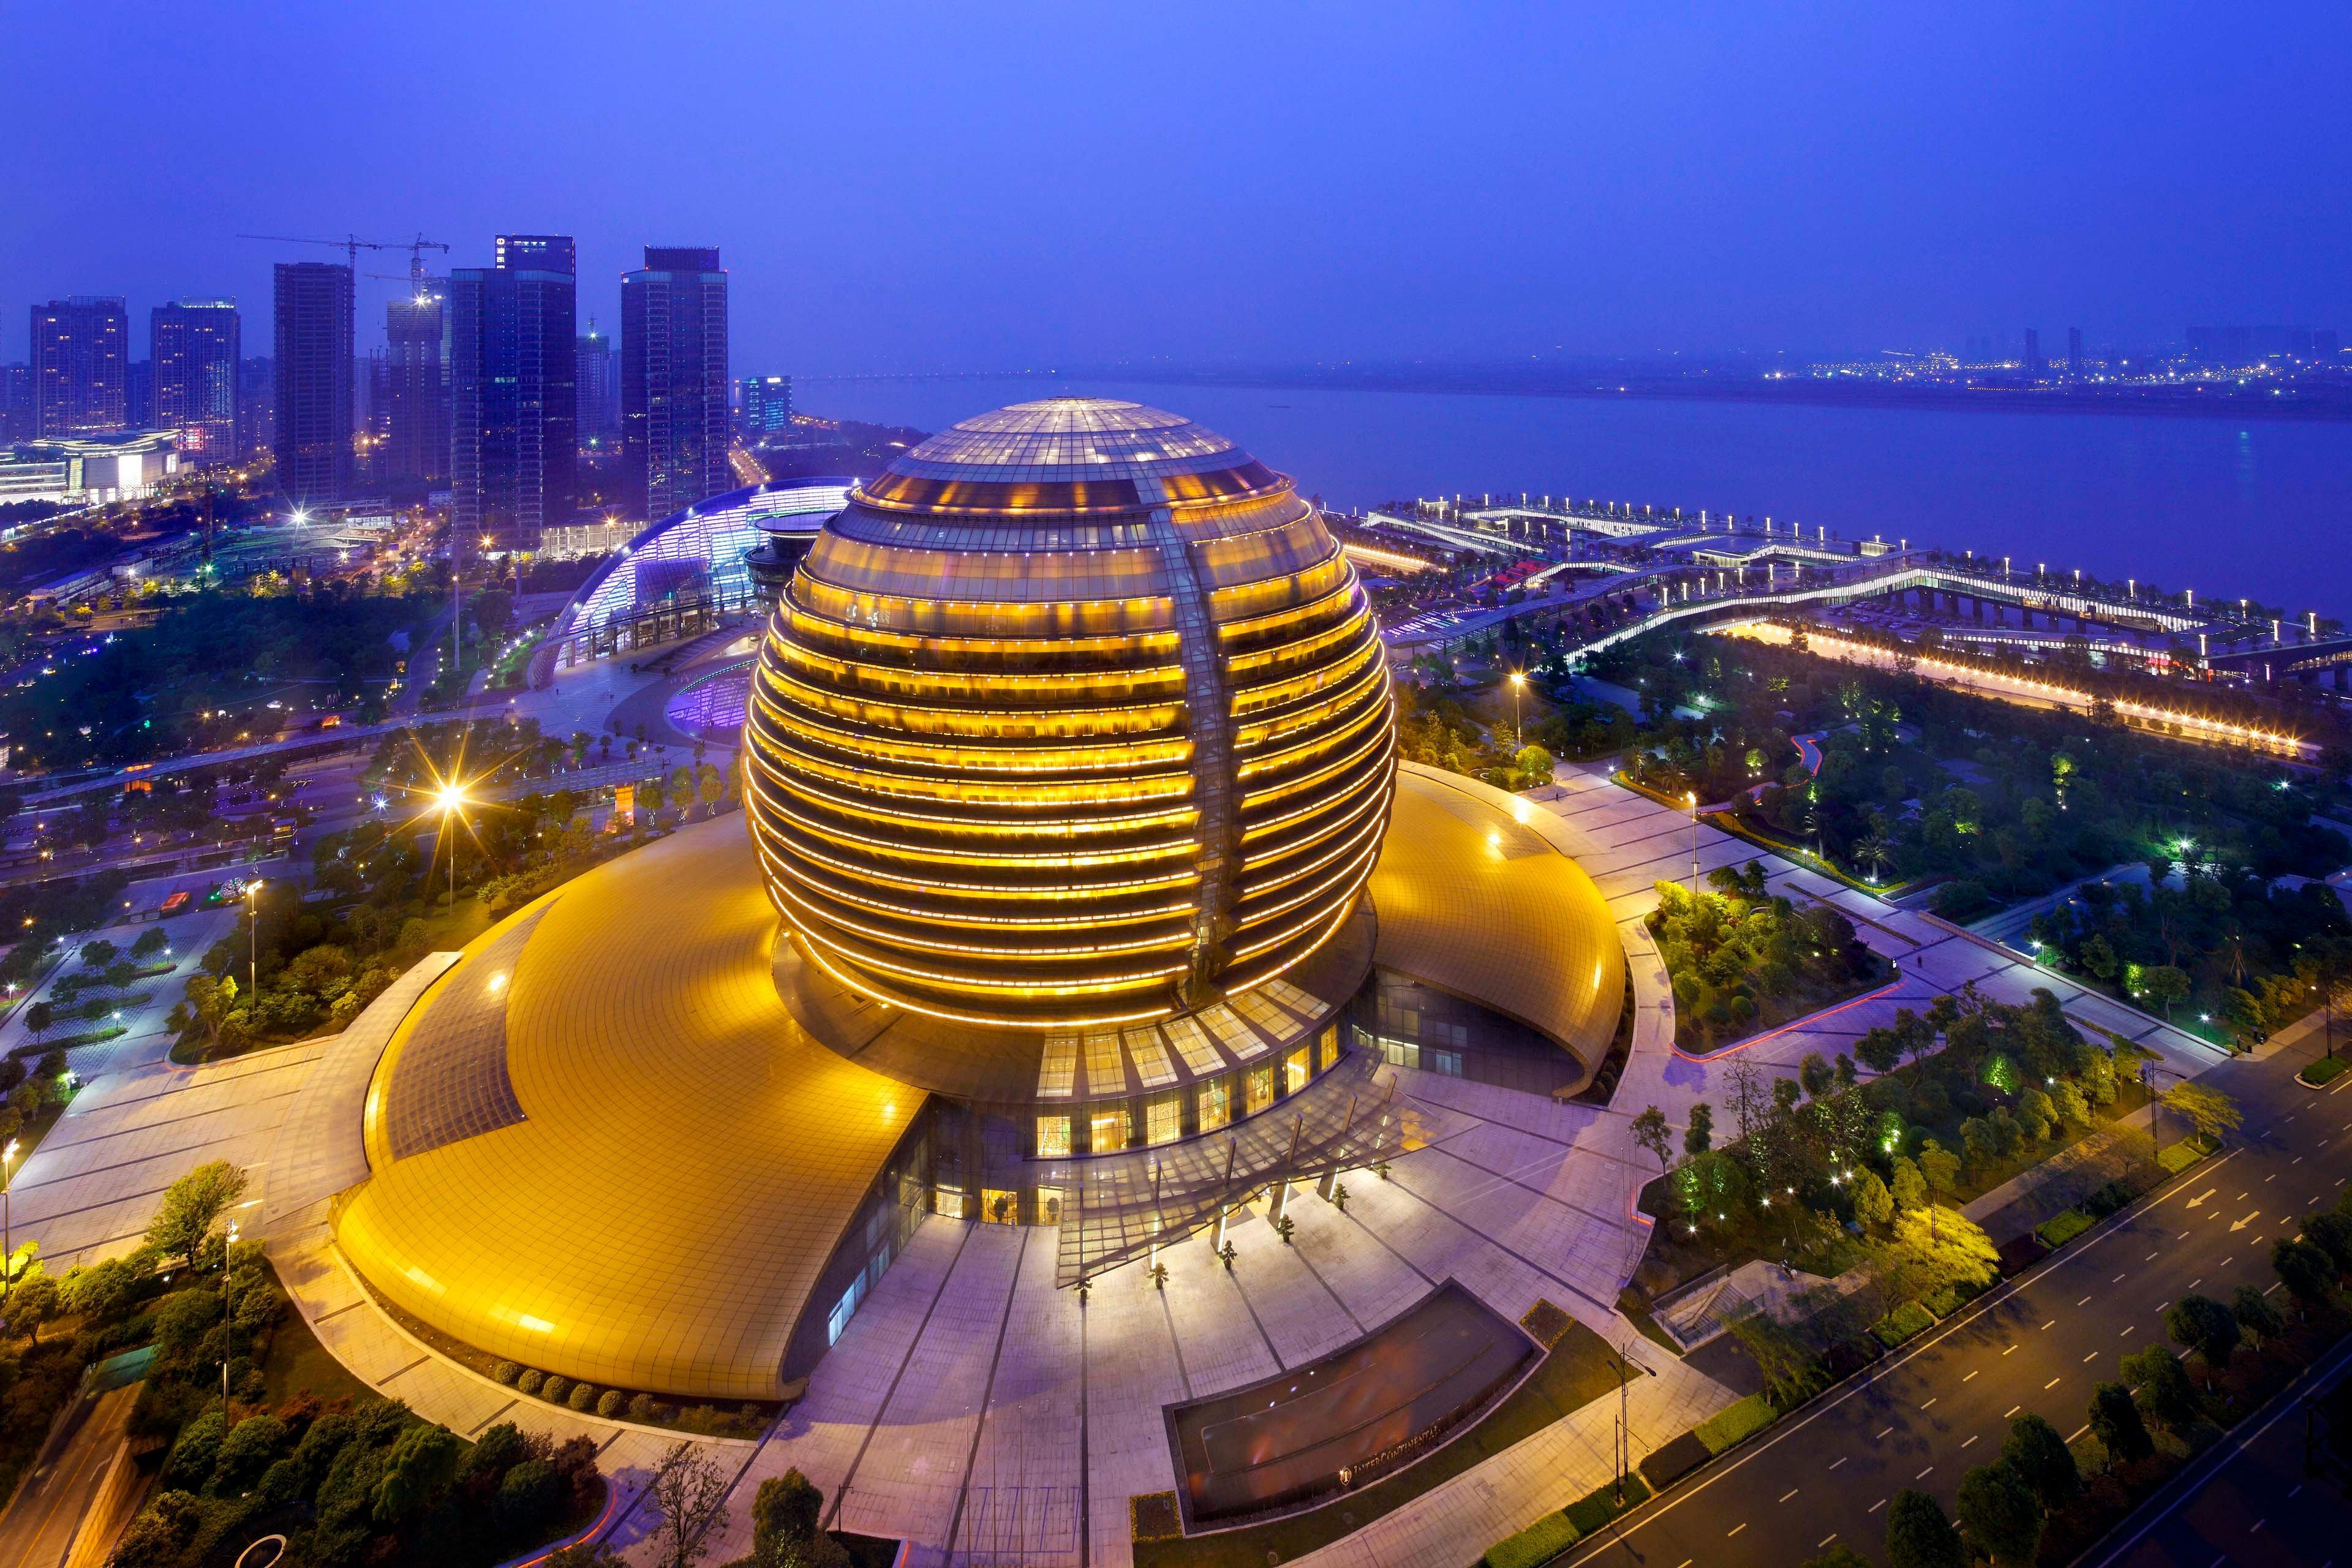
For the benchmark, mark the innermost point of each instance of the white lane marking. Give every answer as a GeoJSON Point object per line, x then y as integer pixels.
{"type": "Point", "coordinates": [1874, 1507]}
{"type": "Point", "coordinates": [2049, 1385]}
{"type": "Point", "coordinates": [1841, 1459]}
{"type": "Point", "coordinates": [1971, 1440]}
{"type": "Point", "coordinates": [1787, 1495]}
{"type": "Point", "coordinates": [1735, 1529]}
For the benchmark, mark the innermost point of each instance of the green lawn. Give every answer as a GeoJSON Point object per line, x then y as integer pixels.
{"type": "Point", "coordinates": [1736, 1423]}
{"type": "Point", "coordinates": [298, 1361]}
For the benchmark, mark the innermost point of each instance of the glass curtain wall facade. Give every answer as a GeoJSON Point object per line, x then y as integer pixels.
{"type": "Point", "coordinates": [674, 425]}
{"type": "Point", "coordinates": [514, 424]}
{"type": "Point", "coordinates": [311, 333]}
{"type": "Point", "coordinates": [81, 366]}
{"type": "Point", "coordinates": [194, 346]}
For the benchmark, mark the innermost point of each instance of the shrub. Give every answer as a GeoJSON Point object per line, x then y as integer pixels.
{"type": "Point", "coordinates": [506, 1371]}
{"type": "Point", "coordinates": [1905, 1322]}
{"type": "Point", "coordinates": [531, 1381]}
{"type": "Point", "coordinates": [1593, 1511]}
{"type": "Point", "coordinates": [248, 1449]}
{"type": "Point", "coordinates": [528, 1500]}
{"type": "Point", "coordinates": [2324, 1071]}
{"type": "Point", "coordinates": [193, 1457]}
{"type": "Point", "coordinates": [1737, 1423]}
{"type": "Point", "coordinates": [2059, 1229]}
{"type": "Point", "coordinates": [610, 1405]}
{"type": "Point", "coordinates": [554, 1389]}
{"type": "Point", "coordinates": [643, 1409]}
{"type": "Point", "coordinates": [583, 1395]}
{"type": "Point", "coordinates": [1538, 1543]}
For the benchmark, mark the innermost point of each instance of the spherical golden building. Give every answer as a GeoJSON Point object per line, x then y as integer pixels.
{"type": "Point", "coordinates": [1076, 718]}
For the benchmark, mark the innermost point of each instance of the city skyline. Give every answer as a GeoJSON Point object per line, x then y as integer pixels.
{"type": "Point", "coordinates": [1690, 184]}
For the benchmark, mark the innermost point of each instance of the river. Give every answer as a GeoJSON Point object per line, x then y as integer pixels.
{"type": "Point", "coordinates": [2231, 509]}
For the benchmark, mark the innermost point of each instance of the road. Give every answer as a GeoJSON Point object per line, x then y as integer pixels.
{"type": "Point", "coordinates": [2247, 1502]}
{"type": "Point", "coordinates": [38, 1528]}
{"type": "Point", "coordinates": [1925, 1414]}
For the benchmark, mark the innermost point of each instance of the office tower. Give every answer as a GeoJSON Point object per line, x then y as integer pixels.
{"type": "Point", "coordinates": [2033, 365]}
{"type": "Point", "coordinates": [16, 403]}
{"type": "Point", "coordinates": [673, 382]}
{"type": "Point", "coordinates": [81, 363]}
{"type": "Point", "coordinates": [515, 419]}
{"type": "Point", "coordinates": [600, 389]}
{"type": "Point", "coordinates": [767, 405]}
{"type": "Point", "coordinates": [312, 337]}
{"type": "Point", "coordinates": [413, 400]}
{"type": "Point", "coordinates": [2074, 354]}
{"type": "Point", "coordinates": [138, 395]}
{"type": "Point", "coordinates": [256, 404]}
{"type": "Point", "coordinates": [194, 346]}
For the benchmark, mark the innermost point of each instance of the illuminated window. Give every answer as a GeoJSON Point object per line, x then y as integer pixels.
{"type": "Point", "coordinates": [1110, 1129]}
{"type": "Point", "coordinates": [1053, 1137]}
{"type": "Point", "coordinates": [1164, 1119]}
{"type": "Point", "coordinates": [950, 1202]}
{"type": "Point", "coordinates": [1330, 1046]}
{"type": "Point", "coordinates": [1049, 1206]}
{"type": "Point", "coordinates": [1257, 1091]}
{"type": "Point", "coordinates": [1216, 1097]}
{"type": "Point", "coordinates": [998, 1206]}
{"type": "Point", "coordinates": [1295, 1071]}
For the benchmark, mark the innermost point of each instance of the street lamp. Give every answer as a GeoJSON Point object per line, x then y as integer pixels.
{"type": "Point", "coordinates": [1692, 799]}
{"type": "Point", "coordinates": [226, 1248]}
{"type": "Point", "coordinates": [253, 930]}
{"type": "Point", "coordinates": [451, 799]}
{"type": "Point", "coordinates": [1518, 682]}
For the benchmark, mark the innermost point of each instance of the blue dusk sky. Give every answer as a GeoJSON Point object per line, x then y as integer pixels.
{"type": "Point", "coordinates": [1005, 186]}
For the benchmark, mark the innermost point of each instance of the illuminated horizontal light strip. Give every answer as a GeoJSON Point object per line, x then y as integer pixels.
{"type": "Point", "coordinates": [1341, 625]}
{"type": "Point", "coordinates": [991, 1020]}
{"type": "Point", "coordinates": [1167, 791]}
{"type": "Point", "coordinates": [1354, 678]}
{"type": "Point", "coordinates": [1366, 699]}
{"type": "Point", "coordinates": [970, 889]}
{"type": "Point", "coordinates": [927, 915]}
{"type": "Point", "coordinates": [1361, 793]}
{"type": "Point", "coordinates": [1372, 719]}
{"type": "Point", "coordinates": [943, 855]}
{"type": "Point", "coordinates": [1363, 850]}
{"type": "Point", "coordinates": [1325, 600]}
{"type": "Point", "coordinates": [2245, 734]}
{"type": "Point", "coordinates": [1252, 601]}
{"type": "Point", "coordinates": [1262, 705]}
{"type": "Point", "coordinates": [806, 618]}
{"type": "Point", "coordinates": [920, 719]}
{"type": "Point", "coordinates": [1347, 910]}
{"type": "Point", "coordinates": [1136, 615]}
{"type": "Point", "coordinates": [1386, 557]}
{"type": "Point", "coordinates": [935, 822]}
{"type": "Point", "coordinates": [1354, 876]}
{"type": "Point", "coordinates": [977, 685]}
{"type": "Point", "coordinates": [1059, 759]}
{"type": "Point", "coordinates": [1177, 941]}
{"type": "Point", "coordinates": [994, 985]}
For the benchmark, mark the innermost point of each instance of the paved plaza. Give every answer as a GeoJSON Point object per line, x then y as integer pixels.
{"type": "Point", "coordinates": [994, 1419]}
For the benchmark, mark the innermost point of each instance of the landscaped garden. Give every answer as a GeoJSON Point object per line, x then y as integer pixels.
{"type": "Point", "coordinates": [1741, 960]}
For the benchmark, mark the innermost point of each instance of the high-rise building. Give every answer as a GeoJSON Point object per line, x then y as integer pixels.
{"type": "Point", "coordinates": [413, 411]}
{"type": "Point", "coordinates": [312, 334]}
{"type": "Point", "coordinates": [16, 402]}
{"type": "Point", "coordinates": [194, 346]}
{"type": "Point", "coordinates": [81, 367]}
{"type": "Point", "coordinates": [600, 389]}
{"type": "Point", "coordinates": [2033, 362]}
{"type": "Point", "coordinates": [138, 395]}
{"type": "Point", "coordinates": [673, 382]}
{"type": "Point", "coordinates": [514, 424]}
{"type": "Point", "coordinates": [2074, 354]}
{"type": "Point", "coordinates": [256, 403]}
{"type": "Point", "coordinates": [766, 404]}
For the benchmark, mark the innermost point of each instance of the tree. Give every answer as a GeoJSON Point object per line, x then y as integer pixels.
{"type": "Point", "coordinates": [2042, 1459]}
{"type": "Point", "coordinates": [1927, 1254]}
{"type": "Point", "coordinates": [2206, 1326]}
{"type": "Point", "coordinates": [1651, 1131]}
{"type": "Point", "coordinates": [2332, 1234]}
{"type": "Point", "coordinates": [98, 955]}
{"type": "Point", "coordinates": [1910, 1187]}
{"type": "Point", "coordinates": [2116, 1423]}
{"type": "Point", "coordinates": [2256, 1315]}
{"type": "Point", "coordinates": [190, 1207]}
{"type": "Point", "coordinates": [423, 1462]}
{"type": "Point", "coordinates": [151, 942]}
{"type": "Point", "coordinates": [2000, 1513]}
{"type": "Point", "coordinates": [2308, 1272]}
{"type": "Point", "coordinates": [786, 1520]}
{"type": "Point", "coordinates": [1941, 1168]}
{"type": "Point", "coordinates": [39, 1019]}
{"type": "Point", "coordinates": [1919, 1536]}
{"type": "Point", "coordinates": [1871, 1205]}
{"type": "Point", "coordinates": [31, 1302]}
{"type": "Point", "coordinates": [2167, 983]}
{"type": "Point", "coordinates": [2209, 1110]}
{"type": "Point", "coordinates": [120, 975]}
{"type": "Point", "coordinates": [1699, 1136]}
{"type": "Point", "coordinates": [1838, 1557]}
{"type": "Point", "coordinates": [1815, 1074]}
{"type": "Point", "coordinates": [1879, 1049]}
{"type": "Point", "coordinates": [690, 1500]}
{"type": "Point", "coordinates": [2157, 1375]}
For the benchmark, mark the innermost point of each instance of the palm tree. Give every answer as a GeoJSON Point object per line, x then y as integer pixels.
{"type": "Point", "coordinates": [1874, 852]}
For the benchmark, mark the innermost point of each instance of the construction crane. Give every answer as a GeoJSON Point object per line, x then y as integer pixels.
{"type": "Point", "coordinates": [352, 245]}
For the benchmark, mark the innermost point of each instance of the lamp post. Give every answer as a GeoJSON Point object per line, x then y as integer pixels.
{"type": "Point", "coordinates": [226, 1248]}
{"type": "Point", "coordinates": [7, 1237]}
{"type": "Point", "coordinates": [1519, 731]}
{"type": "Point", "coordinates": [253, 931]}
{"type": "Point", "coordinates": [1692, 798]}
{"type": "Point", "coordinates": [452, 798]}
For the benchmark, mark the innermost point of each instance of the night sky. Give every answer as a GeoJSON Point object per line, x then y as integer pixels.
{"type": "Point", "coordinates": [999, 186]}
